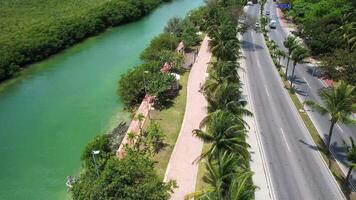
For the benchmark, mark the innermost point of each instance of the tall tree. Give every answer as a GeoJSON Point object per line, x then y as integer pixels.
{"type": "Point", "coordinates": [228, 178]}
{"type": "Point", "coordinates": [174, 26]}
{"type": "Point", "coordinates": [298, 56]}
{"type": "Point", "coordinates": [224, 133]}
{"type": "Point", "coordinates": [339, 102]}
{"type": "Point", "coordinates": [351, 157]}
{"type": "Point", "coordinates": [290, 43]}
{"type": "Point", "coordinates": [280, 54]}
{"type": "Point", "coordinates": [221, 71]}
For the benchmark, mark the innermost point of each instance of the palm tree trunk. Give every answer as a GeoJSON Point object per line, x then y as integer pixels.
{"type": "Point", "coordinates": [291, 80]}
{"type": "Point", "coordinates": [286, 74]}
{"type": "Point", "coordinates": [330, 133]}
{"type": "Point", "coordinates": [348, 174]}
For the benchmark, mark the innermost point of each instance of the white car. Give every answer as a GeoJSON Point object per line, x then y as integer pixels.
{"type": "Point", "coordinates": [249, 3]}
{"type": "Point", "coordinates": [273, 24]}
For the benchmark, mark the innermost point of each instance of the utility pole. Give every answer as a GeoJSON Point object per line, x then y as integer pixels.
{"type": "Point", "coordinates": [96, 166]}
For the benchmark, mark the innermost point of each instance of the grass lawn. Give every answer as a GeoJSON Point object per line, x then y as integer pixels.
{"type": "Point", "coordinates": [170, 120]}
{"type": "Point", "coordinates": [329, 159]}
{"type": "Point", "coordinates": [200, 185]}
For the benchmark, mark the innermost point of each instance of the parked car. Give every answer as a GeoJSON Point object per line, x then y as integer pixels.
{"type": "Point", "coordinates": [267, 12]}
{"type": "Point", "coordinates": [273, 24]}
{"type": "Point", "coordinates": [249, 3]}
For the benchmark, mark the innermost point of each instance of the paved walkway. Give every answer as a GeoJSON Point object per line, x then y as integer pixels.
{"type": "Point", "coordinates": [188, 147]}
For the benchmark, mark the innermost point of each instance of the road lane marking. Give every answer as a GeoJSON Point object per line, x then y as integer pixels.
{"type": "Point", "coordinates": [267, 91]}
{"type": "Point", "coordinates": [285, 140]}
{"type": "Point", "coordinates": [307, 82]}
{"type": "Point", "coordinates": [342, 130]}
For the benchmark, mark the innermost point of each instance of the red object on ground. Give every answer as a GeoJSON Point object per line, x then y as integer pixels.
{"type": "Point", "coordinates": [329, 82]}
{"type": "Point", "coordinates": [166, 68]}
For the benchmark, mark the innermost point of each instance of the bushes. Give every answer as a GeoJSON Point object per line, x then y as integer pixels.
{"type": "Point", "coordinates": [162, 42]}
{"type": "Point", "coordinates": [147, 77]}
{"type": "Point", "coordinates": [34, 30]}
{"type": "Point", "coordinates": [189, 36]}
{"type": "Point", "coordinates": [131, 178]}
{"type": "Point", "coordinates": [330, 36]}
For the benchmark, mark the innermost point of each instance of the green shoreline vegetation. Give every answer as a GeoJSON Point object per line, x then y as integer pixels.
{"type": "Point", "coordinates": [139, 175]}
{"type": "Point", "coordinates": [33, 30]}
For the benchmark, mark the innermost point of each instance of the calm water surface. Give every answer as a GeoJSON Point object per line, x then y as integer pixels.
{"type": "Point", "coordinates": [48, 115]}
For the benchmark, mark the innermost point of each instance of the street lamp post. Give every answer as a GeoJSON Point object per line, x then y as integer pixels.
{"type": "Point", "coordinates": [95, 152]}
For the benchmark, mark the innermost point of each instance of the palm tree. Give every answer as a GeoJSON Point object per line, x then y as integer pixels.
{"type": "Point", "coordinates": [225, 50]}
{"type": "Point", "coordinates": [228, 178]}
{"type": "Point", "coordinates": [298, 56]}
{"type": "Point", "coordinates": [226, 93]}
{"type": "Point", "coordinates": [348, 30]}
{"type": "Point", "coordinates": [224, 43]}
{"type": "Point", "coordinates": [223, 133]}
{"type": "Point", "coordinates": [290, 43]}
{"type": "Point", "coordinates": [280, 54]}
{"type": "Point", "coordinates": [339, 102]}
{"type": "Point", "coordinates": [221, 71]}
{"type": "Point", "coordinates": [351, 157]}
{"type": "Point", "coordinates": [227, 98]}
{"type": "Point", "coordinates": [274, 47]}
{"type": "Point", "coordinates": [241, 187]}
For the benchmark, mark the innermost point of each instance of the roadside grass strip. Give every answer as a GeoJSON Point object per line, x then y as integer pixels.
{"type": "Point", "coordinates": [201, 185]}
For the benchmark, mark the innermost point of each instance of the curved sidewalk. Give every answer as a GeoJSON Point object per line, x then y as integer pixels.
{"type": "Point", "coordinates": [188, 147]}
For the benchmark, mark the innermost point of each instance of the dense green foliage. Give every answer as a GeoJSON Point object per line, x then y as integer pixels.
{"type": "Point", "coordinates": [228, 174]}
{"type": "Point", "coordinates": [131, 178]}
{"type": "Point", "coordinates": [162, 42]}
{"type": "Point", "coordinates": [328, 28]}
{"type": "Point", "coordinates": [35, 29]}
{"type": "Point", "coordinates": [147, 78]}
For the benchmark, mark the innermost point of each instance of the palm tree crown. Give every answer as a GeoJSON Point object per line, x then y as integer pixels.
{"type": "Point", "coordinates": [339, 102]}
{"type": "Point", "coordinates": [298, 55]}
{"type": "Point", "coordinates": [351, 156]}
{"type": "Point", "coordinates": [224, 133]}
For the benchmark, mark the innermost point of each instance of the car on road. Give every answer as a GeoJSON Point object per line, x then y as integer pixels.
{"type": "Point", "coordinates": [273, 24]}
{"type": "Point", "coordinates": [267, 12]}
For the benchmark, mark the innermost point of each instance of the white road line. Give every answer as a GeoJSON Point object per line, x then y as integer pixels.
{"type": "Point", "coordinates": [267, 91]}
{"type": "Point", "coordinates": [307, 82]}
{"type": "Point", "coordinates": [285, 140]}
{"type": "Point", "coordinates": [342, 130]}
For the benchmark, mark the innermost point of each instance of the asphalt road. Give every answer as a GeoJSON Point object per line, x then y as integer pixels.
{"type": "Point", "coordinates": [296, 168]}
{"type": "Point", "coordinates": [309, 86]}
